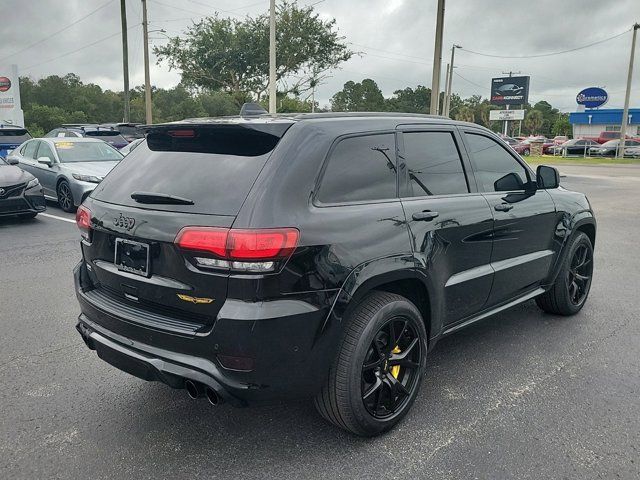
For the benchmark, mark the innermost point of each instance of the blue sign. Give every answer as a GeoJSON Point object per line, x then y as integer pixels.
{"type": "Point", "coordinates": [592, 97]}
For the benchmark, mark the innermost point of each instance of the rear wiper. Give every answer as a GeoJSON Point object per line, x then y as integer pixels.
{"type": "Point", "coordinates": [160, 198]}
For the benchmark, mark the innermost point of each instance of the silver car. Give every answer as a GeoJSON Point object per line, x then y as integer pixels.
{"type": "Point", "coordinates": [68, 168]}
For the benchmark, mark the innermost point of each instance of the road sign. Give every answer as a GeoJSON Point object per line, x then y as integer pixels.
{"type": "Point", "coordinates": [496, 115]}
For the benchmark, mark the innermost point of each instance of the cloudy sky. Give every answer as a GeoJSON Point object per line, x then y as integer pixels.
{"type": "Point", "coordinates": [395, 38]}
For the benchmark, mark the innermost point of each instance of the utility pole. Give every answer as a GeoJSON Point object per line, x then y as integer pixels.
{"type": "Point", "coordinates": [625, 112]}
{"type": "Point", "coordinates": [437, 60]}
{"type": "Point", "coordinates": [147, 80]}
{"type": "Point", "coordinates": [446, 92]}
{"type": "Point", "coordinates": [506, 122]}
{"type": "Point", "coordinates": [272, 57]}
{"type": "Point", "coordinates": [125, 60]}
{"type": "Point", "coordinates": [447, 98]}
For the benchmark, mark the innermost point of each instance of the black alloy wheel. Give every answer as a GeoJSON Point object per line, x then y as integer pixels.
{"type": "Point", "coordinates": [391, 368]}
{"type": "Point", "coordinates": [379, 367]}
{"type": "Point", "coordinates": [65, 196]}
{"type": "Point", "coordinates": [579, 274]}
{"type": "Point", "coordinates": [570, 290]}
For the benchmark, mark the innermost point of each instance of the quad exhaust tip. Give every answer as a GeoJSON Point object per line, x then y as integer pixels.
{"type": "Point", "coordinates": [194, 389]}
{"type": "Point", "coordinates": [212, 396]}
{"type": "Point", "coordinates": [197, 390]}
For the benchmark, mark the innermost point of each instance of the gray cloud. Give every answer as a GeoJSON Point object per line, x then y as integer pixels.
{"type": "Point", "coordinates": [394, 36]}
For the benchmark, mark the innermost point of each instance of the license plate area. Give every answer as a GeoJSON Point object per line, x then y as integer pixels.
{"type": "Point", "coordinates": [132, 257]}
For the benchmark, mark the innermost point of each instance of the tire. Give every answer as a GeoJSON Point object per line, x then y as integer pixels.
{"type": "Point", "coordinates": [27, 216]}
{"type": "Point", "coordinates": [65, 197]}
{"type": "Point", "coordinates": [526, 153]}
{"type": "Point", "coordinates": [569, 292]}
{"type": "Point", "coordinates": [364, 393]}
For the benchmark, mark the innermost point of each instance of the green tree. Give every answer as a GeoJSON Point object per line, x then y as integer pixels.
{"type": "Point", "coordinates": [410, 100]}
{"type": "Point", "coordinates": [533, 121]}
{"type": "Point", "coordinates": [233, 55]}
{"type": "Point", "coordinates": [365, 96]}
{"type": "Point", "coordinates": [561, 126]}
{"type": "Point", "coordinates": [465, 114]}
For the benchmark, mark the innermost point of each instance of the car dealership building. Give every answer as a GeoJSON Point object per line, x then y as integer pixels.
{"type": "Point", "coordinates": [590, 122]}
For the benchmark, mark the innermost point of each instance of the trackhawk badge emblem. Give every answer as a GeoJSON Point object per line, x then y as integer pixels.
{"type": "Point", "coordinates": [124, 222]}
{"type": "Point", "coordinates": [196, 300]}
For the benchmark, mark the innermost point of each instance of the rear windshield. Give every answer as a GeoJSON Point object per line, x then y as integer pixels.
{"type": "Point", "coordinates": [130, 131]}
{"type": "Point", "coordinates": [14, 135]}
{"type": "Point", "coordinates": [214, 167]}
{"type": "Point", "coordinates": [106, 135]}
{"type": "Point", "coordinates": [69, 152]}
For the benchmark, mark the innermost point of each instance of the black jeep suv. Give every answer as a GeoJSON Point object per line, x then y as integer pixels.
{"type": "Point", "coordinates": [336, 247]}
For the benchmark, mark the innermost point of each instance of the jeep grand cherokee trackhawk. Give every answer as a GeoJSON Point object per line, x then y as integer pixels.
{"type": "Point", "coordinates": [338, 246]}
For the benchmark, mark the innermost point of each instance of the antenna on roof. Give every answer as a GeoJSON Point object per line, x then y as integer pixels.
{"type": "Point", "coordinates": [252, 109]}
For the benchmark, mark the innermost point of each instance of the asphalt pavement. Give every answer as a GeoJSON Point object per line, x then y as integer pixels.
{"type": "Point", "coordinates": [520, 395]}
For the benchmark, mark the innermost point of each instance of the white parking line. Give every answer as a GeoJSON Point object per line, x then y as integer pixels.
{"type": "Point", "coordinates": [57, 218]}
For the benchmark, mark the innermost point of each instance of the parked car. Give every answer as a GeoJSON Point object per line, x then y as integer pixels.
{"type": "Point", "coordinates": [129, 131]}
{"type": "Point", "coordinates": [108, 134]}
{"type": "Point", "coordinates": [10, 137]}
{"type": "Point", "coordinates": [610, 148]}
{"type": "Point", "coordinates": [126, 150]}
{"type": "Point", "coordinates": [20, 192]}
{"type": "Point", "coordinates": [522, 148]}
{"type": "Point", "coordinates": [316, 242]}
{"type": "Point", "coordinates": [577, 146]}
{"type": "Point", "coordinates": [632, 152]}
{"type": "Point", "coordinates": [560, 139]}
{"type": "Point", "coordinates": [606, 137]}
{"type": "Point", "coordinates": [68, 168]}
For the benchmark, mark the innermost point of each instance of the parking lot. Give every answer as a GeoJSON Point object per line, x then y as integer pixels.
{"type": "Point", "coordinates": [520, 395]}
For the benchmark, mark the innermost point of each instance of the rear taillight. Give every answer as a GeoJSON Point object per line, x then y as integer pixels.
{"type": "Point", "coordinates": [83, 220]}
{"type": "Point", "coordinates": [257, 250]}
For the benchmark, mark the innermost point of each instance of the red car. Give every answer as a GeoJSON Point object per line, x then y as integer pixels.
{"type": "Point", "coordinates": [524, 147]}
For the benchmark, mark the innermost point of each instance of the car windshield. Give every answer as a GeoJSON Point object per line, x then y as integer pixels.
{"type": "Point", "coordinates": [14, 135]}
{"type": "Point", "coordinates": [86, 152]}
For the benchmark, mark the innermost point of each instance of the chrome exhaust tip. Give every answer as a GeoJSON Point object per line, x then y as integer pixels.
{"type": "Point", "coordinates": [194, 389]}
{"type": "Point", "coordinates": [212, 396]}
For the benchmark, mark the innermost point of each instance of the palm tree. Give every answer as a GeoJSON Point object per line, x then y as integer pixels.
{"type": "Point", "coordinates": [533, 122]}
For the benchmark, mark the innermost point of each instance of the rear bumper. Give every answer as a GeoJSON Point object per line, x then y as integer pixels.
{"type": "Point", "coordinates": [291, 343]}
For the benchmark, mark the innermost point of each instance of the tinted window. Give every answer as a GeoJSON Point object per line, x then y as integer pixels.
{"type": "Point", "coordinates": [360, 169]}
{"type": "Point", "coordinates": [434, 164]}
{"type": "Point", "coordinates": [29, 149]}
{"type": "Point", "coordinates": [494, 168]}
{"type": "Point", "coordinates": [45, 151]}
{"type": "Point", "coordinates": [214, 167]}
{"type": "Point", "coordinates": [14, 135]}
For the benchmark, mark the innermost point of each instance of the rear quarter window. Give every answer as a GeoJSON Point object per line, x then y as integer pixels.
{"type": "Point", "coordinates": [359, 169]}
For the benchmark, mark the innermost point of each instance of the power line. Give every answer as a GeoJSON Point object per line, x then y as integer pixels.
{"type": "Point", "coordinates": [57, 32]}
{"type": "Point", "coordinates": [550, 53]}
{"type": "Point", "coordinates": [469, 81]}
{"type": "Point", "coordinates": [78, 49]}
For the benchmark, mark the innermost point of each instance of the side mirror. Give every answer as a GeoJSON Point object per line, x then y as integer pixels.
{"type": "Point", "coordinates": [45, 161]}
{"type": "Point", "coordinates": [13, 161]}
{"type": "Point", "coordinates": [547, 177]}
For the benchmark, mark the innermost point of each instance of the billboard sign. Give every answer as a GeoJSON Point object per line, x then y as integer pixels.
{"type": "Point", "coordinates": [10, 108]}
{"type": "Point", "coordinates": [509, 90]}
{"type": "Point", "coordinates": [495, 115]}
{"type": "Point", "coordinates": [592, 97]}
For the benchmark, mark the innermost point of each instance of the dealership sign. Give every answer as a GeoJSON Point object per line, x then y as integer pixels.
{"type": "Point", "coordinates": [592, 97]}
{"type": "Point", "coordinates": [509, 90]}
{"type": "Point", "coordinates": [10, 108]}
{"type": "Point", "coordinates": [495, 115]}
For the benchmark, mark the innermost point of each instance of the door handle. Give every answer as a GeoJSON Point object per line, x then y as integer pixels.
{"type": "Point", "coordinates": [503, 207]}
{"type": "Point", "coordinates": [425, 216]}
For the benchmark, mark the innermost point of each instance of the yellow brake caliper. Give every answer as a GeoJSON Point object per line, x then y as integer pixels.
{"type": "Point", "coordinates": [395, 370]}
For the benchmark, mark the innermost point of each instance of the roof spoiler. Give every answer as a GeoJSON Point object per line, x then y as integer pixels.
{"type": "Point", "coordinates": [252, 109]}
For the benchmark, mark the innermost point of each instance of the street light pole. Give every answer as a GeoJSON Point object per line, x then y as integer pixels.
{"type": "Point", "coordinates": [147, 80]}
{"type": "Point", "coordinates": [625, 112]}
{"type": "Point", "coordinates": [447, 100]}
{"type": "Point", "coordinates": [125, 60]}
{"type": "Point", "coordinates": [272, 57]}
{"type": "Point", "coordinates": [437, 60]}
{"type": "Point", "coordinates": [446, 92]}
